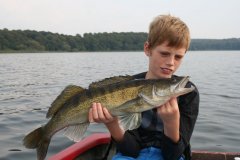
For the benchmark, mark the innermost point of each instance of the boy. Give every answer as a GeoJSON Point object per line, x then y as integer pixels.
{"type": "Point", "coordinates": [165, 132]}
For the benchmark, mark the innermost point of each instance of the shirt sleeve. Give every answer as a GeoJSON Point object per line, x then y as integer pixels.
{"type": "Point", "coordinates": [130, 145]}
{"type": "Point", "coordinates": [188, 106]}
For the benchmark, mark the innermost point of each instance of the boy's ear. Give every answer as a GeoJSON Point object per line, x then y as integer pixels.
{"type": "Point", "coordinates": [146, 49]}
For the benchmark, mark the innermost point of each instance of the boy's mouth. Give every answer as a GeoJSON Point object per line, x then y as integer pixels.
{"type": "Point", "coordinates": [166, 70]}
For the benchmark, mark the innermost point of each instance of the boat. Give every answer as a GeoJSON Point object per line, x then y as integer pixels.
{"type": "Point", "coordinates": [98, 146]}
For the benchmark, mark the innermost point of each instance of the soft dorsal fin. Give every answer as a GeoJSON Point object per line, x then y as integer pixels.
{"type": "Point", "coordinates": [66, 94]}
{"type": "Point", "coordinates": [110, 80]}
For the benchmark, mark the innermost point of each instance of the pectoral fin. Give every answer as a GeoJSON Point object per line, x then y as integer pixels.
{"type": "Point", "coordinates": [130, 121]}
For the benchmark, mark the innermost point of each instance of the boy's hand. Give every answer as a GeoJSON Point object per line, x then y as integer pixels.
{"type": "Point", "coordinates": [100, 114]}
{"type": "Point", "coordinates": [169, 113]}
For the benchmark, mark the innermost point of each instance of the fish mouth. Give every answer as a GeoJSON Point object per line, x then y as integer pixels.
{"type": "Point", "coordinates": [182, 83]}
{"type": "Point", "coordinates": [179, 88]}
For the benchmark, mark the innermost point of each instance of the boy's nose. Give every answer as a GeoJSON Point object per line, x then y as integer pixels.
{"type": "Point", "coordinates": [170, 61]}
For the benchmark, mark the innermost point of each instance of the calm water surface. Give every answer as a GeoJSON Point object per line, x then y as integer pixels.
{"type": "Point", "coordinates": [30, 82]}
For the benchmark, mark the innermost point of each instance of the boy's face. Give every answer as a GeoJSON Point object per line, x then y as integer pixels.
{"type": "Point", "coordinates": [163, 60]}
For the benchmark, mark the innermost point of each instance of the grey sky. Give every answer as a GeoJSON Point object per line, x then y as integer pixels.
{"type": "Point", "coordinates": [205, 18]}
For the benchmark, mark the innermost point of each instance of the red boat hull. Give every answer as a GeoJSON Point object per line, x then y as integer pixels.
{"type": "Point", "coordinates": [98, 139]}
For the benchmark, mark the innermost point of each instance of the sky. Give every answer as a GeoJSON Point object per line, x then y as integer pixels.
{"type": "Point", "coordinates": [215, 19]}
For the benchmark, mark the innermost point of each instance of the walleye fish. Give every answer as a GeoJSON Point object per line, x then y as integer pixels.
{"type": "Point", "coordinates": [123, 97]}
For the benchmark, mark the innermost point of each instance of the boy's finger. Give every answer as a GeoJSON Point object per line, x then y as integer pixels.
{"type": "Point", "coordinates": [107, 114]}
{"type": "Point", "coordinates": [90, 117]}
{"type": "Point", "coordinates": [100, 111]}
{"type": "Point", "coordinates": [94, 111]}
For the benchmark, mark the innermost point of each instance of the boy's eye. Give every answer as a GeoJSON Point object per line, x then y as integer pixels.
{"type": "Point", "coordinates": [164, 53]}
{"type": "Point", "coordinates": [178, 57]}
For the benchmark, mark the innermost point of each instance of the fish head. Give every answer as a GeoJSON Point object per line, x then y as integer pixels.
{"type": "Point", "coordinates": [173, 87]}
{"type": "Point", "coordinates": [162, 90]}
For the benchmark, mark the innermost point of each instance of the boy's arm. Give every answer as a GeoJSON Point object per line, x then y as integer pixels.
{"type": "Point", "coordinates": [126, 141]}
{"type": "Point", "coordinates": [189, 105]}
{"type": "Point", "coordinates": [170, 116]}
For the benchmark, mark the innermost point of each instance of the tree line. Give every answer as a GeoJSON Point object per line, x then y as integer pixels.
{"type": "Point", "coordinates": [34, 41]}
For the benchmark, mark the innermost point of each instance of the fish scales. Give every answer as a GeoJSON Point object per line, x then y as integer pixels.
{"type": "Point", "coordinates": [114, 94]}
{"type": "Point", "coordinates": [81, 103]}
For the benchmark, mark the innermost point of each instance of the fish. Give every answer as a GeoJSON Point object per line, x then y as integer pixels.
{"type": "Point", "coordinates": [123, 96]}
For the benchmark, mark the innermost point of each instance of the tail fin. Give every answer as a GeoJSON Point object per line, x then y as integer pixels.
{"type": "Point", "coordinates": [36, 139]}
{"type": "Point", "coordinates": [42, 149]}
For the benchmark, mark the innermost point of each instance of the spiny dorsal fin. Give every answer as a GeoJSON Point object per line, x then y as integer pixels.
{"type": "Point", "coordinates": [110, 80]}
{"type": "Point", "coordinates": [66, 94]}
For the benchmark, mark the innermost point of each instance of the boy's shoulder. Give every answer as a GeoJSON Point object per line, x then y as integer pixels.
{"type": "Point", "coordinates": [141, 75]}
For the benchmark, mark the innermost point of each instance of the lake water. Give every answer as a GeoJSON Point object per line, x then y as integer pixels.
{"type": "Point", "coordinates": [30, 82]}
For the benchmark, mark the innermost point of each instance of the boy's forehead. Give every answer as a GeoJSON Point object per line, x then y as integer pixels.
{"type": "Point", "coordinates": [168, 45]}
{"type": "Point", "coordinates": [168, 48]}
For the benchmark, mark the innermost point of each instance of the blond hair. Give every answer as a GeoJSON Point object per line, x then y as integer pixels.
{"type": "Point", "coordinates": [171, 29]}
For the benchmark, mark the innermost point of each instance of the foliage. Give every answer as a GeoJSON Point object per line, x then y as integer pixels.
{"type": "Point", "coordinates": [33, 41]}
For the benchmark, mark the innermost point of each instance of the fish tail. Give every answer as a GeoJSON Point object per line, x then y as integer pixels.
{"type": "Point", "coordinates": [36, 139]}
{"type": "Point", "coordinates": [32, 139]}
{"type": "Point", "coordinates": [42, 148]}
